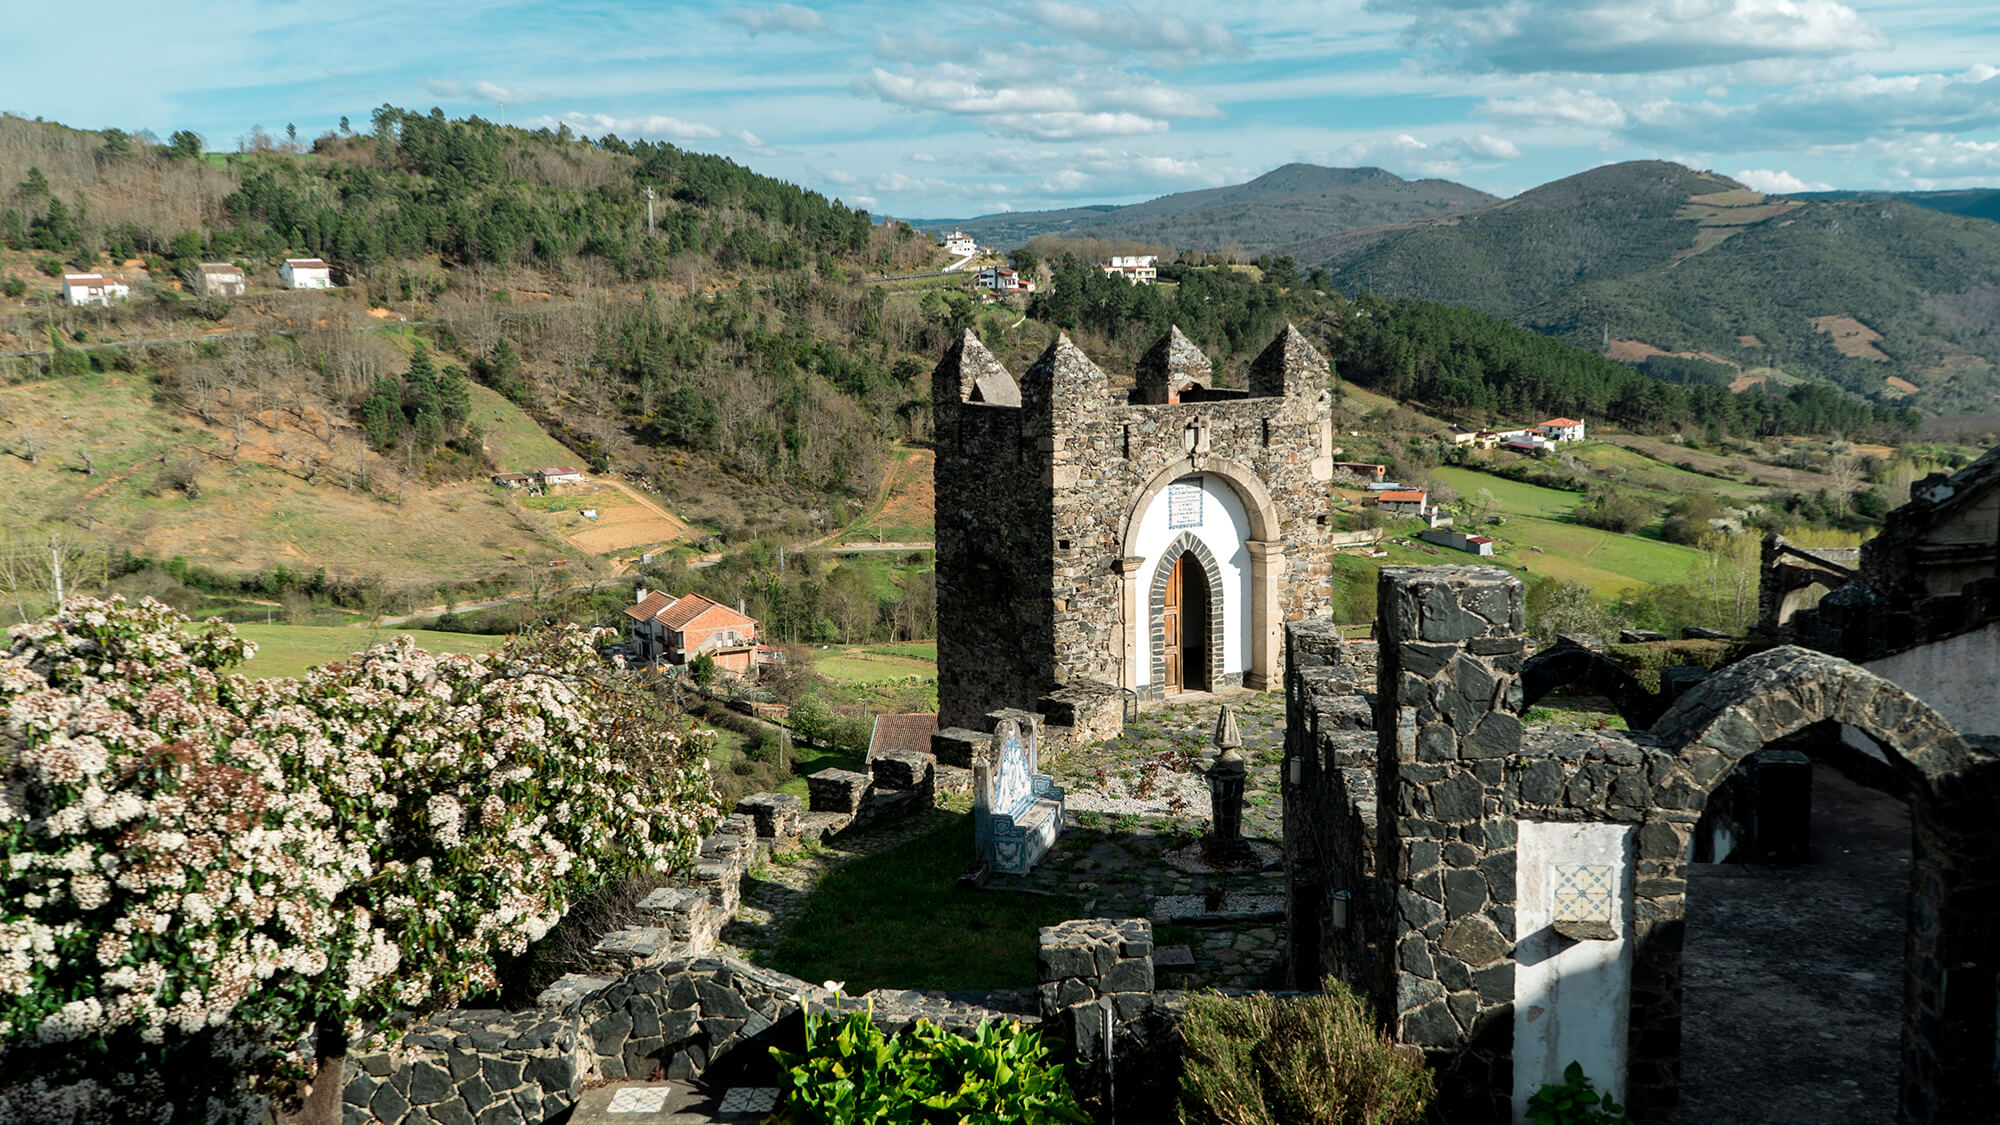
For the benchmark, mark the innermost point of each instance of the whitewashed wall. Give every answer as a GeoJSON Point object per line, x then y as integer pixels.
{"type": "Point", "coordinates": [1572, 999]}
{"type": "Point", "coordinates": [1225, 526]}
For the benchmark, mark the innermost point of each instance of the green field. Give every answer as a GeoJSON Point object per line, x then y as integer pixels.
{"type": "Point", "coordinates": [289, 650]}
{"type": "Point", "coordinates": [857, 665]}
{"type": "Point", "coordinates": [1606, 561]}
{"type": "Point", "coordinates": [513, 439]}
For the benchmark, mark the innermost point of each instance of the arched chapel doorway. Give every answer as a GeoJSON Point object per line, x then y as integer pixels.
{"type": "Point", "coordinates": [1205, 532]}
{"type": "Point", "coordinates": [1187, 611]}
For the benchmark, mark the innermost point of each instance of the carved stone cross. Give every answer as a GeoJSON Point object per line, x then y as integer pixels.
{"type": "Point", "coordinates": [1195, 438]}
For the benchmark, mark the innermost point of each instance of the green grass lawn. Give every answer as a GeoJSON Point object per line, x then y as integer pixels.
{"type": "Point", "coordinates": [898, 920]}
{"type": "Point", "coordinates": [1607, 561]}
{"type": "Point", "coordinates": [865, 664]}
{"type": "Point", "coordinates": [515, 441]}
{"type": "Point", "coordinates": [289, 650]}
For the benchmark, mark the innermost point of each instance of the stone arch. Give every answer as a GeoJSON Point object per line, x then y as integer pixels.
{"type": "Point", "coordinates": [1267, 562]}
{"type": "Point", "coordinates": [1571, 663]}
{"type": "Point", "coordinates": [1952, 943]}
{"type": "Point", "coordinates": [1187, 543]}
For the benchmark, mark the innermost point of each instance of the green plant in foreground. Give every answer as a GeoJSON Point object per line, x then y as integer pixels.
{"type": "Point", "coordinates": [850, 1072]}
{"type": "Point", "coordinates": [1574, 1102]}
{"type": "Point", "coordinates": [1259, 1060]}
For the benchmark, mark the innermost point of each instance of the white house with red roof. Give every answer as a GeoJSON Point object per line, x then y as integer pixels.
{"type": "Point", "coordinates": [305, 273]}
{"type": "Point", "coordinates": [93, 289]}
{"type": "Point", "coordinates": [960, 243]}
{"type": "Point", "coordinates": [670, 630]}
{"type": "Point", "coordinates": [560, 474]}
{"type": "Point", "coordinates": [1561, 429]}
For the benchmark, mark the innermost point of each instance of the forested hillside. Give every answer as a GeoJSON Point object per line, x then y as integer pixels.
{"type": "Point", "coordinates": [1685, 261]}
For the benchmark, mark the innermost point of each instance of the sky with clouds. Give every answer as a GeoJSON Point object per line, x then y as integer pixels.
{"type": "Point", "coordinates": [926, 110]}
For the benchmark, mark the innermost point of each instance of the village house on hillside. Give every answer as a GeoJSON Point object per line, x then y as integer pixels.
{"type": "Point", "coordinates": [960, 243]}
{"type": "Point", "coordinates": [561, 474]}
{"type": "Point", "coordinates": [999, 279]}
{"type": "Point", "coordinates": [513, 480]}
{"type": "Point", "coordinates": [219, 279]}
{"type": "Point", "coordinates": [1404, 502]}
{"type": "Point", "coordinates": [93, 289]}
{"type": "Point", "coordinates": [1139, 269]}
{"type": "Point", "coordinates": [305, 273]}
{"type": "Point", "coordinates": [670, 630]}
{"type": "Point", "coordinates": [1561, 429]}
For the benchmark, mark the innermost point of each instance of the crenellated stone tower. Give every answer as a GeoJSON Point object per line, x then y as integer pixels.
{"type": "Point", "coordinates": [1094, 541]}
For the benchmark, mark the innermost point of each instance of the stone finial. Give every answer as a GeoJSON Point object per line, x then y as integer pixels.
{"type": "Point", "coordinates": [1064, 375]}
{"type": "Point", "coordinates": [970, 373]}
{"type": "Point", "coordinates": [1170, 365]}
{"type": "Point", "coordinates": [1227, 737]}
{"type": "Point", "coordinates": [1289, 365]}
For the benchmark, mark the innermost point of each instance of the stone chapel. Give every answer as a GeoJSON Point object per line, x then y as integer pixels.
{"type": "Point", "coordinates": [1100, 542]}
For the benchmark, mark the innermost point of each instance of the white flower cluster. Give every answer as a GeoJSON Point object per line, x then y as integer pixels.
{"type": "Point", "coordinates": [181, 848]}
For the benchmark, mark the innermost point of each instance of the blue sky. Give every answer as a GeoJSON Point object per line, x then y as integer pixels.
{"type": "Point", "coordinates": [934, 110]}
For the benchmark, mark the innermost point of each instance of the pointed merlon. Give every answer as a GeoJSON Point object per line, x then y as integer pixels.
{"type": "Point", "coordinates": [1288, 365]}
{"type": "Point", "coordinates": [1169, 366]}
{"type": "Point", "coordinates": [1064, 374]}
{"type": "Point", "coordinates": [970, 373]}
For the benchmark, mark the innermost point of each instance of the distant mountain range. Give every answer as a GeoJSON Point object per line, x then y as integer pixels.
{"type": "Point", "coordinates": [1884, 296]}
{"type": "Point", "coordinates": [1282, 209]}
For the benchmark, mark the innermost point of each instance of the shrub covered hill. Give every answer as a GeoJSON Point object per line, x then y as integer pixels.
{"type": "Point", "coordinates": [1272, 214]}
{"type": "Point", "coordinates": [1882, 296]}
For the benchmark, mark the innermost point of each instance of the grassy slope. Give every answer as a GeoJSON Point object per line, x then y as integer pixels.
{"type": "Point", "coordinates": [289, 650]}
{"type": "Point", "coordinates": [1606, 561]}
{"type": "Point", "coordinates": [859, 926]}
{"type": "Point", "coordinates": [514, 440]}
{"type": "Point", "coordinates": [252, 513]}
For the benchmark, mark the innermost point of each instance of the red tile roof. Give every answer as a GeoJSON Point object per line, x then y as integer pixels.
{"type": "Point", "coordinates": [1404, 497]}
{"type": "Point", "coordinates": [645, 610]}
{"type": "Point", "coordinates": [307, 263]}
{"type": "Point", "coordinates": [903, 732]}
{"type": "Point", "coordinates": [687, 610]}
{"type": "Point", "coordinates": [1562, 422]}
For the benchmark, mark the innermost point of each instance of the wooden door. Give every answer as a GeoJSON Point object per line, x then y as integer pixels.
{"type": "Point", "coordinates": [1193, 625]}
{"type": "Point", "coordinates": [1170, 625]}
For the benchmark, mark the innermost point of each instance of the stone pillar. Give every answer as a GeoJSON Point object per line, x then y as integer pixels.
{"type": "Point", "coordinates": [1451, 650]}
{"type": "Point", "coordinates": [1267, 572]}
{"type": "Point", "coordinates": [1133, 629]}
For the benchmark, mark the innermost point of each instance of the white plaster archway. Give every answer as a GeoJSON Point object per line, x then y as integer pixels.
{"type": "Point", "coordinates": [1247, 550]}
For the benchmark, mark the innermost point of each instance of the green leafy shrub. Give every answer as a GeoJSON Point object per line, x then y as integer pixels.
{"type": "Point", "coordinates": [1258, 1060]}
{"type": "Point", "coordinates": [1574, 1102]}
{"type": "Point", "coordinates": [851, 1072]}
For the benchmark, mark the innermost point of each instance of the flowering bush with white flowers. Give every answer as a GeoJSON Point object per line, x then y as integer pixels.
{"type": "Point", "coordinates": [183, 849]}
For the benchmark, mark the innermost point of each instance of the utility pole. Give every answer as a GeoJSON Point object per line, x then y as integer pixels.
{"type": "Point", "coordinates": [649, 212]}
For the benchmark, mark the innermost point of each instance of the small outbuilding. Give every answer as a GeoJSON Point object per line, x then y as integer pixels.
{"type": "Point", "coordinates": [93, 289]}
{"type": "Point", "coordinates": [305, 273]}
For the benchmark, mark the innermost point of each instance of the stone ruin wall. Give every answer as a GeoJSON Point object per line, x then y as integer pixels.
{"type": "Point", "coordinates": [1033, 502]}
{"type": "Point", "coordinates": [1433, 936]}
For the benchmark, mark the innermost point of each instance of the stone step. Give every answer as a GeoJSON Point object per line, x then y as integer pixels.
{"type": "Point", "coordinates": [634, 947]}
{"type": "Point", "coordinates": [571, 987]}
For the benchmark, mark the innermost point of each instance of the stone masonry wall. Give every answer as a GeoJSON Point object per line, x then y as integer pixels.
{"type": "Point", "coordinates": [1456, 774]}
{"type": "Point", "coordinates": [1033, 505]}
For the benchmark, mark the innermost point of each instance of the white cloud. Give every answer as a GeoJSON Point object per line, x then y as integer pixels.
{"type": "Point", "coordinates": [837, 176]}
{"type": "Point", "coordinates": [1060, 107]}
{"type": "Point", "coordinates": [484, 92]}
{"type": "Point", "coordinates": [655, 125]}
{"type": "Point", "coordinates": [753, 142]}
{"type": "Point", "coordinates": [1123, 27]}
{"type": "Point", "coordinates": [779, 17]}
{"type": "Point", "coordinates": [1942, 161]}
{"type": "Point", "coordinates": [1777, 182]}
{"type": "Point", "coordinates": [1842, 110]}
{"type": "Point", "coordinates": [1629, 36]}
{"type": "Point", "coordinates": [1407, 155]}
{"type": "Point", "coordinates": [1559, 106]}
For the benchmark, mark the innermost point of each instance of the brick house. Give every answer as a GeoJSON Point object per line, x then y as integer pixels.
{"type": "Point", "coordinates": [670, 630]}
